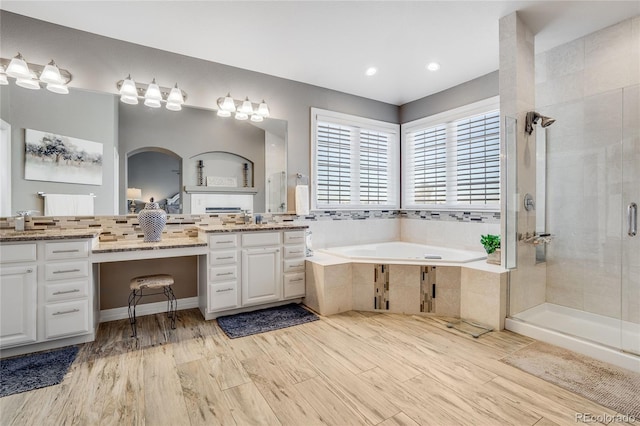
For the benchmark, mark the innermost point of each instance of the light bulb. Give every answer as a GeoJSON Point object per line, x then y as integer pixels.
{"type": "Point", "coordinates": [131, 100]}
{"type": "Point", "coordinates": [29, 83]}
{"type": "Point", "coordinates": [263, 109]}
{"type": "Point", "coordinates": [223, 113]}
{"type": "Point", "coordinates": [246, 107]}
{"type": "Point", "coordinates": [256, 118]}
{"type": "Point", "coordinates": [241, 115]}
{"type": "Point", "coordinates": [152, 103]}
{"type": "Point", "coordinates": [51, 74]}
{"type": "Point", "coordinates": [18, 68]}
{"type": "Point", "coordinates": [153, 94]}
{"type": "Point", "coordinates": [129, 88]}
{"type": "Point", "coordinates": [173, 106]}
{"type": "Point", "coordinates": [175, 96]}
{"type": "Point", "coordinates": [228, 103]}
{"type": "Point", "coordinates": [3, 77]}
{"type": "Point", "coordinates": [60, 89]}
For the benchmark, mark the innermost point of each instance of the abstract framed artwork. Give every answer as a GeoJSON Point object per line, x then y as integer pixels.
{"type": "Point", "coordinates": [58, 158]}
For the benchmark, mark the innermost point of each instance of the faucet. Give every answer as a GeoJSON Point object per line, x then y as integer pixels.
{"type": "Point", "coordinates": [21, 218]}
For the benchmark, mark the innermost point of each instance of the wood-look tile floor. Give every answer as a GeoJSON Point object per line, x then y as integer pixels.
{"type": "Point", "coordinates": [355, 368]}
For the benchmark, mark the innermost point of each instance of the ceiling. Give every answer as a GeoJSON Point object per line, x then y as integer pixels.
{"type": "Point", "coordinates": [331, 43]}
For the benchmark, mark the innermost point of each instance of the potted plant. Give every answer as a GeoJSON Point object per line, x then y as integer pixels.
{"type": "Point", "coordinates": [491, 244]}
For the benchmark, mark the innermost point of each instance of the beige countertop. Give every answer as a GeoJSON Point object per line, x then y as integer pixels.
{"type": "Point", "coordinates": [9, 235]}
{"type": "Point", "coordinates": [250, 227]}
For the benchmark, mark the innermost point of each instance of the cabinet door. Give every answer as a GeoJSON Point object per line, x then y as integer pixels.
{"type": "Point", "coordinates": [18, 291]}
{"type": "Point", "coordinates": [261, 279]}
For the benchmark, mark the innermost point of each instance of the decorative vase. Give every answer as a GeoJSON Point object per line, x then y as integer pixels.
{"type": "Point", "coordinates": [152, 220]}
{"type": "Point", "coordinates": [494, 258]}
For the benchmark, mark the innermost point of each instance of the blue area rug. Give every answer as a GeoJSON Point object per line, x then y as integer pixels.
{"type": "Point", "coordinates": [269, 319]}
{"type": "Point", "coordinates": [35, 371]}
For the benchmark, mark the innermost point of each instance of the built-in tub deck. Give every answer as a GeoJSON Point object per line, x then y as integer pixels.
{"type": "Point", "coordinates": [470, 289]}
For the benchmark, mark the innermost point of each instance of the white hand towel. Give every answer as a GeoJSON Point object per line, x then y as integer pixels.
{"type": "Point", "coordinates": [302, 200]}
{"type": "Point", "coordinates": [68, 205]}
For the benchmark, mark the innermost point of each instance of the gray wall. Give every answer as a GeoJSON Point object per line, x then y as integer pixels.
{"type": "Point", "coordinates": [80, 114]}
{"type": "Point", "coordinates": [472, 91]}
{"type": "Point", "coordinates": [97, 63]}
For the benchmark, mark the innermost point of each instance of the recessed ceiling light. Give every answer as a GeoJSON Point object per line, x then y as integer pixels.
{"type": "Point", "coordinates": [433, 66]}
{"type": "Point", "coordinates": [371, 71]}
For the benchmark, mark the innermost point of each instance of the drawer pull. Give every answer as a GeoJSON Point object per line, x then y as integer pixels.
{"type": "Point", "coordinates": [75, 290]}
{"type": "Point", "coordinates": [222, 290]}
{"type": "Point", "coordinates": [296, 279]}
{"type": "Point", "coordinates": [66, 271]}
{"type": "Point", "coordinates": [224, 242]}
{"type": "Point", "coordinates": [223, 258]}
{"type": "Point", "coordinates": [295, 266]}
{"type": "Point", "coordinates": [66, 251]}
{"type": "Point", "coordinates": [29, 270]}
{"type": "Point", "coordinates": [225, 273]}
{"type": "Point", "coordinates": [295, 251]}
{"type": "Point", "coordinates": [296, 238]}
{"type": "Point", "coordinates": [71, 311]}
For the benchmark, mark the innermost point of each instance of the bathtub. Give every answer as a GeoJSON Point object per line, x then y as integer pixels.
{"type": "Point", "coordinates": [399, 252]}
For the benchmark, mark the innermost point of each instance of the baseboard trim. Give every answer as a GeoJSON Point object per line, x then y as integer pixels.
{"type": "Point", "coordinates": [146, 309]}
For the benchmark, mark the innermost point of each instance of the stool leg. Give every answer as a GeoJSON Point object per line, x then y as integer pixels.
{"type": "Point", "coordinates": [172, 305]}
{"type": "Point", "coordinates": [134, 298]}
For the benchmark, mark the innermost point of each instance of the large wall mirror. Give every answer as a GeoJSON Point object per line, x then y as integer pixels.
{"type": "Point", "coordinates": [164, 152]}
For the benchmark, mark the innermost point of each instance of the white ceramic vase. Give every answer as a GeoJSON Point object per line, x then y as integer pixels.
{"type": "Point", "coordinates": [152, 220]}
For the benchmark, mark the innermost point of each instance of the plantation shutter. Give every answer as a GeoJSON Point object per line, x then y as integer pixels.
{"type": "Point", "coordinates": [428, 161]}
{"type": "Point", "coordinates": [333, 163]}
{"type": "Point", "coordinates": [478, 159]}
{"type": "Point", "coordinates": [374, 167]}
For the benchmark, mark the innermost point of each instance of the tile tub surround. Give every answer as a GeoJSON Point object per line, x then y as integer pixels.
{"type": "Point", "coordinates": [476, 291]}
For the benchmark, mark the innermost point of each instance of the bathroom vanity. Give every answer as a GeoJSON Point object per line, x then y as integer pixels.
{"type": "Point", "coordinates": [50, 280]}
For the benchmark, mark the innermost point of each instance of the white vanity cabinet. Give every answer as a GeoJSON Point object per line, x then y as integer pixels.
{"type": "Point", "coordinates": [251, 268]}
{"type": "Point", "coordinates": [18, 294]}
{"type": "Point", "coordinates": [261, 268]}
{"type": "Point", "coordinates": [293, 264]}
{"type": "Point", "coordinates": [222, 289]}
{"type": "Point", "coordinates": [46, 293]}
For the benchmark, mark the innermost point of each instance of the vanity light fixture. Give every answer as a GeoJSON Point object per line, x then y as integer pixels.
{"type": "Point", "coordinates": [152, 93]}
{"type": "Point", "coordinates": [31, 76]}
{"type": "Point", "coordinates": [242, 110]}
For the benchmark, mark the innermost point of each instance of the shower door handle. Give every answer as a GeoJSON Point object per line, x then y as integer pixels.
{"type": "Point", "coordinates": [632, 219]}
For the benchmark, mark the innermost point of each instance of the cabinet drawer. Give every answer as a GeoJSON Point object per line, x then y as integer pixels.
{"type": "Point", "coordinates": [291, 252]}
{"type": "Point", "coordinates": [223, 296]}
{"type": "Point", "coordinates": [66, 318]}
{"type": "Point", "coordinates": [66, 290]}
{"type": "Point", "coordinates": [294, 265]}
{"type": "Point", "coordinates": [66, 250]}
{"type": "Point", "coordinates": [223, 257]}
{"type": "Point", "coordinates": [261, 239]}
{"type": "Point", "coordinates": [294, 285]}
{"type": "Point", "coordinates": [223, 241]}
{"type": "Point", "coordinates": [223, 273]}
{"type": "Point", "coordinates": [294, 237]}
{"type": "Point", "coordinates": [65, 270]}
{"type": "Point", "coordinates": [17, 253]}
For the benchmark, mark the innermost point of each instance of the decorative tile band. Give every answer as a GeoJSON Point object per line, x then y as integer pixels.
{"type": "Point", "coordinates": [127, 227]}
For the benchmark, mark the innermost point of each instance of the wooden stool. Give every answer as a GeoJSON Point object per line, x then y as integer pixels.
{"type": "Point", "coordinates": [137, 286]}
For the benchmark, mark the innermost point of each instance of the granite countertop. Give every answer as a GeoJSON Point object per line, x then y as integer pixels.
{"type": "Point", "coordinates": [136, 245]}
{"type": "Point", "coordinates": [10, 235]}
{"type": "Point", "coordinates": [250, 227]}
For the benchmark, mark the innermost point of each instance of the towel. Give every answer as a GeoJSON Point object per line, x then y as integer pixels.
{"type": "Point", "coordinates": [68, 205]}
{"type": "Point", "coordinates": [302, 200]}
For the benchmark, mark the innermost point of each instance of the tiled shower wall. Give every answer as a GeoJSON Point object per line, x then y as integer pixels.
{"type": "Point", "coordinates": [590, 86]}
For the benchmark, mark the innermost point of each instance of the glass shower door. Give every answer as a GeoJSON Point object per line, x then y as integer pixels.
{"type": "Point", "coordinates": [630, 262]}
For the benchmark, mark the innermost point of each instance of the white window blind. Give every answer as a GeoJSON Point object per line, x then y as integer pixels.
{"type": "Point", "coordinates": [452, 160]}
{"type": "Point", "coordinates": [355, 162]}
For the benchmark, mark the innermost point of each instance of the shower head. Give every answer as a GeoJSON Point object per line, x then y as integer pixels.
{"type": "Point", "coordinates": [532, 119]}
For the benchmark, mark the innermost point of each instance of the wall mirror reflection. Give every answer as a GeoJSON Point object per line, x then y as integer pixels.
{"type": "Point", "coordinates": [154, 150]}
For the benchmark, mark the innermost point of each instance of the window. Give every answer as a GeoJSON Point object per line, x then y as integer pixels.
{"type": "Point", "coordinates": [355, 162]}
{"type": "Point", "coordinates": [452, 160]}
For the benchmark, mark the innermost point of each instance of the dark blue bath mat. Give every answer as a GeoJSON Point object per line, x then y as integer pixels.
{"type": "Point", "coordinates": [269, 319]}
{"type": "Point", "coordinates": [35, 371]}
